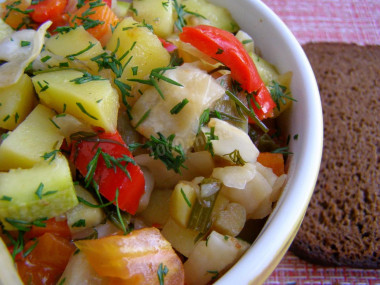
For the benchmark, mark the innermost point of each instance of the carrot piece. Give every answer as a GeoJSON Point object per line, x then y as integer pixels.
{"type": "Point", "coordinates": [17, 15]}
{"type": "Point", "coordinates": [272, 160]}
{"type": "Point", "coordinates": [97, 19]}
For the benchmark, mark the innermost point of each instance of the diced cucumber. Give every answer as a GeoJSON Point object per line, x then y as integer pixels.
{"type": "Point", "coordinates": [43, 191]}
{"type": "Point", "coordinates": [231, 220]}
{"type": "Point", "coordinates": [121, 8]}
{"type": "Point", "coordinates": [216, 15]}
{"type": "Point", "coordinates": [266, 70]}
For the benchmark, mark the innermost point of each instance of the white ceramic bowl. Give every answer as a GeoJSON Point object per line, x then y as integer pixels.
{"type": "Point", "coordinates": [279, 46]}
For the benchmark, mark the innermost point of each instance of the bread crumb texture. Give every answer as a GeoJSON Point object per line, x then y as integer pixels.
{"type": "Point", "coordinates": [342, 223]}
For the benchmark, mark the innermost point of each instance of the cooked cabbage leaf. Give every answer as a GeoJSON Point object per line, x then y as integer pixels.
{"type": "Point", "coordinates": [18, 50]}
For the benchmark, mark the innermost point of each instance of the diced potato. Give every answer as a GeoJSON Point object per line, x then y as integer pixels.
{"type": "Point", "coordinates": [159, 14]}
{"type": "Point", "coordinates": [77, 44]}
{"type": "Point", "coordinates": [82, 216]}
{"type": "Point", "coordinates": [16, 102]}
{"type": "Point", "coordinates": [95, 102]}
{"type": "Point", "coordinates": [197, 164]}
{"type": "Point", "coordinates": [139, 47]}
{"type": "Point", "coordinates": [182, 239]}
{"type": "Point", "coordinates": [212, 257]}
{"type": "Point", "coordinates": [198, 87]}
{"type": "Point", "coordinates": [157, 212]}
{"type": "Point", "coordinates": [252, 195]}
{"type": "Point", "coordinates": [216, 15]}
{"type": "Point", "coordinates": [181, 202]}
{"type": "Point", "coordinates": [45, 190]}
{"type": "Point", "coordinates": [231, 220]}
{"type": "Point", "coordinates": [235, 176]}
{"type": "Point", "coordinates": [230, 139]}
{"type": "Point", "coordinates": [34, 137]}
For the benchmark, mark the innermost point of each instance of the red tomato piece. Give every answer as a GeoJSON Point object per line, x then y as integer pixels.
{"type": "Point", "coordinates": [109, 180]}
{"type": "Point", "coordinates": [136, 258]}
{"type": "Point", "coordinates": [45, 262]}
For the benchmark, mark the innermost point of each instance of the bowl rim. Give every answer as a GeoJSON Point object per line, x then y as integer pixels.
{"type": "Point", "coordinates": [270, 247]}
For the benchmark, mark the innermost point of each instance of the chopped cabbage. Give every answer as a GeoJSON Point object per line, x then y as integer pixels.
{"type": "Point", "coordinates": [18, 50]}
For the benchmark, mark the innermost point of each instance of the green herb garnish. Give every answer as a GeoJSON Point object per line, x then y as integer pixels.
{"type": "Point", "coordinates": [236, 157]}
{"type": "Point", "coordinates": [80, 106]}
{"type": "Point", "coordinates": [161, 273]}
{"type": "Point", "coordinates": [156, 75]}
{"type": "Point", "coordinates": [210, 137]}
{"type": "Point", "coordinates": [279, 94]}
{"type": "Point", "coordinates": [177, 108]}
{"type": "Point", "coordinates": [247, 111]}
{"type": "Point", "coordinates": [79, 223]}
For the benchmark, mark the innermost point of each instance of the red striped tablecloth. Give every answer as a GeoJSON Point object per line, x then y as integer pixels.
{"type": "Point", "coordinates": [349, 21]}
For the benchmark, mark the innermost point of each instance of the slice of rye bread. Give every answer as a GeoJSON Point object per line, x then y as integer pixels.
{"type": "Point", "coordinates": [342, 224]}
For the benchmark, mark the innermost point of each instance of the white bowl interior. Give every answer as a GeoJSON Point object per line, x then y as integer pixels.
{"type": "Point", "coordinates": [280, 47]}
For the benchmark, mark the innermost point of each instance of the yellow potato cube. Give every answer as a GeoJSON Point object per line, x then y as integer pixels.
{"type": "Point", "coordinates": [16, 102]}
{"type": "Point", "coordinates": [34, 137]}
{"type": "Point", "coordinates": [181, 203]}
{"type": "Point", "coordinates": [159, 14]}
{"type": "Point", "coordinates": [139, 47]}
{"type": "Point", "coordinates": [78, 44]}
{"type": "Point", "coordinates": [95, 101]}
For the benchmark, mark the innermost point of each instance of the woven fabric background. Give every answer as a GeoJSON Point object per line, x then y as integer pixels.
{"type": "Point", "coordinates": [348, 21]}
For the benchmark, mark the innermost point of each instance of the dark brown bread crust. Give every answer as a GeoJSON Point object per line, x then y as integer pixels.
{"type": "Point", "coordinates": [342, 223]}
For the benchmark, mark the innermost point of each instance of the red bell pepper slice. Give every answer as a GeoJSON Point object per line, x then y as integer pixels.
{"type": "Point", "coordinates": [47, 10]}
{"type": "Point", "coordinates": [226, 48]}
{"type": "Point", "coordinates": [168, 45]}
{"type": "Point", "coordinates": [111, 179]}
